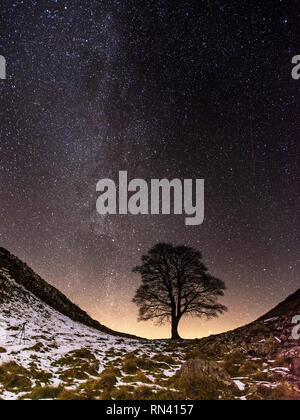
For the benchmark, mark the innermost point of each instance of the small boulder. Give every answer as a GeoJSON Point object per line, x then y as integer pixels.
{"type": "Point", "coordinates": [295, 367]}
{"type": "Point", "coordinates": [293, 353]}
{"type": "Point", "coordinates": [195, 369]}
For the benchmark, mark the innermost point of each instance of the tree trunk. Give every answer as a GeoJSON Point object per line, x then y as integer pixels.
{"type": "Point", "coordinates": [175, 335]}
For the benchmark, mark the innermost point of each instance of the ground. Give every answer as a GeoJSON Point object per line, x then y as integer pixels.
{"type": "Point", "coordinates": [62, 359]}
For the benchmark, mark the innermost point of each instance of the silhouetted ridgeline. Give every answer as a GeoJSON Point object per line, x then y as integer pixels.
{"type": "Point", "coordinates": [26, 277]}
{"type": "Point", "coordinates": [289, 307]}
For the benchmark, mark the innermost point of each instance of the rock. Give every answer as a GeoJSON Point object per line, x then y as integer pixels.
{"type": "Point", "coordinates": [204, 369]}
{"type": "Point", "coordinates": [295, 367]}
{"type": "Point", "coordinates": [293, 353]}
{"type": "Point", "coordinates": [256, 329]}
{"type": "Point", "coordinates": [253, 389]}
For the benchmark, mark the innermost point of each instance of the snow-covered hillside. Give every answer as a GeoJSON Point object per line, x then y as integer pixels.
{"type": "Point", "coordinates": [49, 336]}
{"type": "Point", "coordinates": [53, 330]}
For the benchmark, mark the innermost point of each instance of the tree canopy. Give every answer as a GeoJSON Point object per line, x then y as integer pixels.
{"type": "Point", "coordinates": [175, 283]}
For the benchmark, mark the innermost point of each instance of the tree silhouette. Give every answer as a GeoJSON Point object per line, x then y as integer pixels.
{"type": "Point", "coordinates": [175, 282]}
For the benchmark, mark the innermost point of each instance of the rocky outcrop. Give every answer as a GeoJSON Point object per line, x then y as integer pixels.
{"type": "Point", "coordinates": [269, 338]}
{"type": "Point", "coordinates": [276, 324]}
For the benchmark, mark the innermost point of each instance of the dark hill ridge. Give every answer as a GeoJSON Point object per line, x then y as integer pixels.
{"type": "Point", "coordinates": [31, 281]}
{"type": "Point", "coordinates": [269, 336]}
{"type": "Point", "coordinates": [291, 306]}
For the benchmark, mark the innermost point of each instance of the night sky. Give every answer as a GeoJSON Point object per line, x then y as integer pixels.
{"type": "Point", "coordinates": [162, 89]}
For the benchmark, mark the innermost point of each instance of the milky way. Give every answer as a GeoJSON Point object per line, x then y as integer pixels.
{"type": "Point", "coordinates": [162, 89]}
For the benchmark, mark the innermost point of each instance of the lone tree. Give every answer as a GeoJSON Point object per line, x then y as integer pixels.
{"type": "Point", "coordinates": [175, 282]}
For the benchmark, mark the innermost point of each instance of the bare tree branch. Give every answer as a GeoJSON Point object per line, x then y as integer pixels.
{"type": "Point", "coordinates": [175, 282]}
